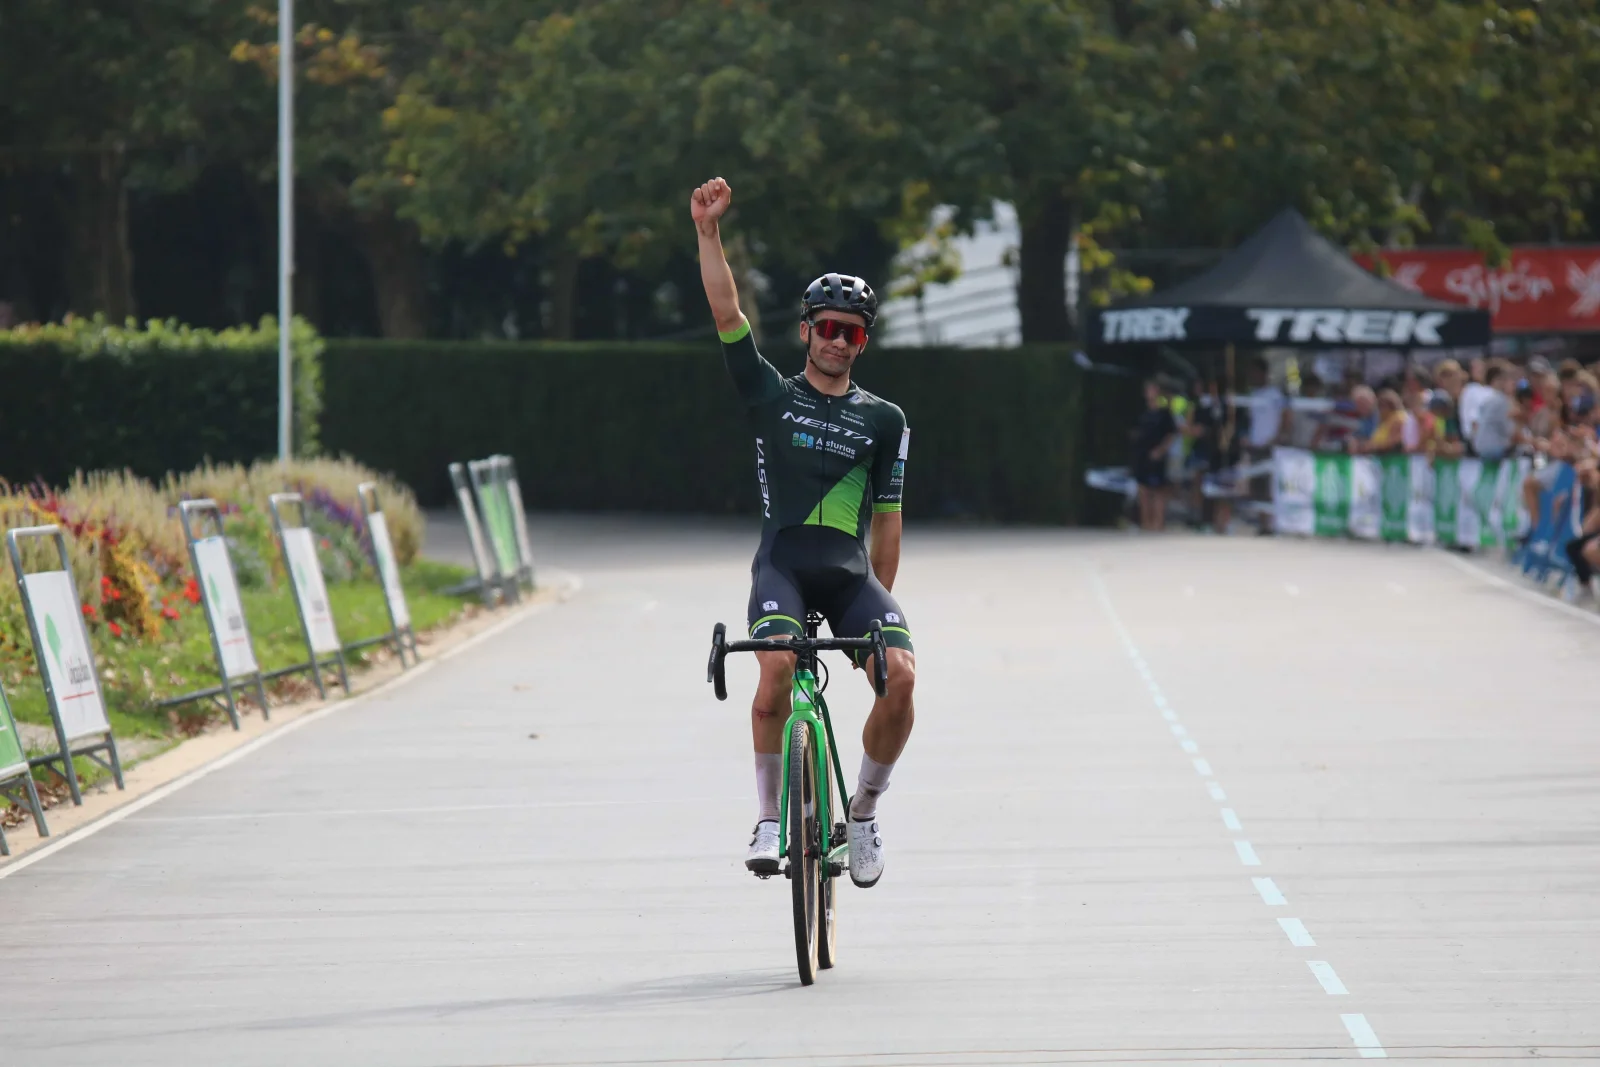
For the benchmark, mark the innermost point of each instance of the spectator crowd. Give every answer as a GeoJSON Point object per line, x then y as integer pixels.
{"type": "Point", "coordinates": [1490, 408]}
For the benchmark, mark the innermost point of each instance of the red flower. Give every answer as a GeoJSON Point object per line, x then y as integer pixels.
{"type": "Point", "coordinates": [116, 630]}
{"type": "Point", "coordinates": [191, 591]}
{"type": "Point", "coordinates": [169, 613]}
{"type": "Point", "coordinates": [88, 611]}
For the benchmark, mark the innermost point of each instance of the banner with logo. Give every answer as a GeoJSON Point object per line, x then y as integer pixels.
{"type": "Point", "coordinates": [1469, 530]}
{"type": "Point", "coordinates": [519, 519]}
{"type": "Point", "coordinates": [1366, 497]}
{"type": "Point", "coordinates": [480, 551]}
{"type": "Point", "coordinates": [309, 589]}
{"type": "Point", "coordinates": [58, 620]}
{"type": "Point", "coordinates": [1514, 516]}
{"type": "Point", "coordinates": [12, 759]}
{"type": "Point", "coordinates": [1419, 512]}
{"type": "Point", "coordinates": [1331, 503]}
{"type": "Point", "coordinates": [1318, 327]}
{"type": "Point", "coordinates": [1294, 478]}
{"type": "Point", "coordinates": [388, 570]}
{"type": "Point", "coordinates": [1446, 499]}
{"type": "Point", "coordinates": [223, 604]}
{"type": "Point", "coordinates": [1541, 289]}
{"type": "Point", "coordinates": [1395, 497]}
{"type": "Point", "coordinates": [496, 507]}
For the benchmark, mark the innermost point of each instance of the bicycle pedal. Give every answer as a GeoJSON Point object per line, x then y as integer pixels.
{"type": "Point", "coordinates": [834, 869]}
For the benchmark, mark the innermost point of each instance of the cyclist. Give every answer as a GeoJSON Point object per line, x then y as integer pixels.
{"type": "Point", "coordinates": [825, 448]}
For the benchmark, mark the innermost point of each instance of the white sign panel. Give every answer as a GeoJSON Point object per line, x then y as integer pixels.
{"type": "Point", "coordinates": [217, 585]}
{"type": "Point", "coordinates": [1294, 479]}
{"type": "Point", "coordinates": [53, 605]}
{"type": "Point", "coordinates": [310, 588]}
{"type": "Point", "coordinates": [388, 569]}
{"type": "Point", "coordinates": [480, 551]}
{"type": "Point", "coordinates": [520, 520]}
{"type": "Point", "coordinates": [1366, 499]}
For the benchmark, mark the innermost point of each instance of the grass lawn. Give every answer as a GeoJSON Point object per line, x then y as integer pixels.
{"type": "Point", "coordinates": [137, 675]}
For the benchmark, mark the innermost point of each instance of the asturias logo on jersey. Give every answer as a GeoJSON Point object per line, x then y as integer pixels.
{"type": "Point", "coordinates": [804, 440]}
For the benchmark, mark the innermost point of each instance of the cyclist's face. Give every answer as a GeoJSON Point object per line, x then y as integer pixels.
{"type": "Point", "coordinates": [832, 357]}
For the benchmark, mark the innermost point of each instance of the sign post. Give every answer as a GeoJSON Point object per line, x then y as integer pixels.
{"type": "Point", "coordinates": [219, 592]}
{"type": "Point", "coordinates": [495, 507]}
{"type": "Point", "coordinates": [66, 664]}
{"type": "Point", "coordinates": [402, 636]}
{"type": "Point", "coordinates": [480, 552]}
{"type": "Point", "coordinates": [16, 777]}
{"type": "Point", "coordinates": [310, 591]}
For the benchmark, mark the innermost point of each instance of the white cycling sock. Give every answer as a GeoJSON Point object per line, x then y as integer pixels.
{"type": "Point", "coordinates": [870, 785]}
{"type": "Point", "coordinates": [769, 780]}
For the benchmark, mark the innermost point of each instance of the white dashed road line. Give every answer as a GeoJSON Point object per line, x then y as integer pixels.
{"type": "Point", "coordinates": [1361, 1032]}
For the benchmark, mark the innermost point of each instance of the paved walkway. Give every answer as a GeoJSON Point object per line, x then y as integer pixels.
{"type": "Point", "coordinates": [1169, 800]}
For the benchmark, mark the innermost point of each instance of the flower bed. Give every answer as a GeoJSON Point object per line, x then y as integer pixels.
{"type": "Point", "coordinates": [142, 603]}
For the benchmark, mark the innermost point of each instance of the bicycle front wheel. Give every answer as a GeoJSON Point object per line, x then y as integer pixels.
{"type": "Point", "coordinates": [805, 849]}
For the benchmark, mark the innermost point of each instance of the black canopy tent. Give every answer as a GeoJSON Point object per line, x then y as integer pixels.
{"type": "Point", "coordinates": [1287, 287]}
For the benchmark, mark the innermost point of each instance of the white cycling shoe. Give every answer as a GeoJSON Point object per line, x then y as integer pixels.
{"type": "Point", "coordinates": [763, 855]}
{"type": "Point", "coordinates": [866, 852]}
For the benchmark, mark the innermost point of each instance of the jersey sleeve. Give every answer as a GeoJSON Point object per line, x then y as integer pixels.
{"type": "Point", "coordinates": [889, 465]}
{"type": "Point", "coordinates": [755, 378]}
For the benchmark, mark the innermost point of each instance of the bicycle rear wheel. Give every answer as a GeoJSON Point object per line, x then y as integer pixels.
{"type": "Point", "coordinates": [805, 850]}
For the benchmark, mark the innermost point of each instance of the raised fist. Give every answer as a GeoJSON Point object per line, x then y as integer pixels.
{"type": "Point", "coordinates": [708, 203]}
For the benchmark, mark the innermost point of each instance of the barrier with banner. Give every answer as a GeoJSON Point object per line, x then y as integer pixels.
{"type": "Point", "coordinates": [16, 776]}
{"type": "Point", "coordinates": [481, 560]}
{"type": "Point", "coordinates": [219, 593]}
{"type": "Point", "coordinates": [402, 636]}
{"type": "Point", "coordinates": [1470, 503]}
{"type": "Point", "coordinates": [310, 591]}
{"type": "Point", "coordinates": [66, 663]}
{"type": "Point", "coordinates": [494, 505]}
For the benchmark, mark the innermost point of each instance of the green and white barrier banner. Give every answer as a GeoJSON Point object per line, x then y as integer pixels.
{"type": "Point", "coordinates": [388, 570]}
{"type": "Point", "coordinates": [1469, 502]}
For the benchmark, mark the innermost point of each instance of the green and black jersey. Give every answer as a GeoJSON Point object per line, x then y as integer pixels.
{"type": "Point", "coordinates": [829, 461]}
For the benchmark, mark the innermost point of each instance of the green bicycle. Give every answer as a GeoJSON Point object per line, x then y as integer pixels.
{"type": "Point", "coordinates": [815, 845]}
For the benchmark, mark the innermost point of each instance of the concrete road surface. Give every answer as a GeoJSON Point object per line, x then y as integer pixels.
{"type": "Point", "coordinates": [1172, 799]}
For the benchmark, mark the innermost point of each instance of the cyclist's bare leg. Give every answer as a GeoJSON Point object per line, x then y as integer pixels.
{"type": "Point", "coordinates": [885, 735]}
{"type": "Point", "coordinates": [768, 712]}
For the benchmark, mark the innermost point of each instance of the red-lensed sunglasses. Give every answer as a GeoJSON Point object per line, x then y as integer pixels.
{"type": "Point", "coordinates": [828, 329]}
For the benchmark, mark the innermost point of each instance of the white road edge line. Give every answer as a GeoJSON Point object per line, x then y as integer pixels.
{"type": "Point", "coordinates": [1202, 768]}
{"type": "Point", "coordinates": [1330, 981]}
{"type": "Point", "coordinates": [1247, 854]}
{"type": "Point", "coordinates": [1522, 591]}
{"type": "Point", "coordinates": [1230, 819]}
{"type": "Point", "coordinates": [111, 818]}
{"type": "Point", "coordinates": [1367, 1042]}
{"type": "Point", "coordinates": [1216, 792]}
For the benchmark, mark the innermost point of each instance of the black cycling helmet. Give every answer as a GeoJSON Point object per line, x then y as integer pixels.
{"type": "Point", "coordinates": [840, 292]}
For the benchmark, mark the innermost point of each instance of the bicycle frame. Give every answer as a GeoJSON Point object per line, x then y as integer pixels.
{"type": "Point", "coordinates": [810, 708]}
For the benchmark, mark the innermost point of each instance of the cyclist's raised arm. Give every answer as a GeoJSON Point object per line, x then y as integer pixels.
{"type": "Point", "coordinates": [755, 378]}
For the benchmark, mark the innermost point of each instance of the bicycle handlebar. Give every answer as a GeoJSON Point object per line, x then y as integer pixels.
{"type": "Point", "coordinates": [873, 642]}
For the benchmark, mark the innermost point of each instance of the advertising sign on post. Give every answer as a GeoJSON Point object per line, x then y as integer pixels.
{"type": "Point", "coordinates": [1366, 504]}
{"type": "Point", "coordinates": [519, 518]}
{"type": "Point", "coordinates": [480, 549]}
{"type": "Point", "coordinates": [1293, 480]}
{"type": "Point", "coordinates": [66, 662]}
{"type": "Point", "coordinates": [69, 672]}
{"type": "Point", "coordinates": [388, 569]}
{"type": "Point", "coordinates": [1483, 504]}
{"type": "Point", "coordinates": [495, 507]}
{"type": "Point", "coordinates": [221, 591]}
{"type": "Point", "coordinates": [1332, 500]}
{"type": "Point", "coordinates": [310, 589]}
{"type": "Point", "coordinates": [16, 776]}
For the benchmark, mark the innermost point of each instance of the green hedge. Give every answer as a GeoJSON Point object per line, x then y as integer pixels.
{"type": "Point", "coordinates": [86, 395]}
{"type": "Point", "coordinates": [996, 434]}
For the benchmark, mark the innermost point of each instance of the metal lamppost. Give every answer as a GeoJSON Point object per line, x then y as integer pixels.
{"type": "Point", "coordinates": [285, 222]}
